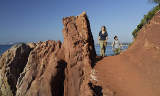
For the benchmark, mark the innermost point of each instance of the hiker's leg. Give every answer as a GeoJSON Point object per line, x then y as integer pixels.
{"type": "Point", "coordinates": [105, 44]}
{"type": "Point", "coordinates": [116, 51]}
{"type": "Point", "coordinates": [119, 50]}
{"type": "Point", "coordinates": [101, 47]}
{"type": "Point", "coordinates": [103, 50]}
{"type": "Point", "coordinates": [103, 53]}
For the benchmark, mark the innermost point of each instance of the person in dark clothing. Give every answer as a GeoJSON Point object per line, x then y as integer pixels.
{"type": "Point", "coordinates": [103, 37]}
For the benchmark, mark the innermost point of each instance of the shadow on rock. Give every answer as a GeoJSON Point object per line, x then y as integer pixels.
{"type": "Point", "coordinates": [57, 82]}
{"type": "Point", "coordinates": [97, 90]}
{"type": "Point", "coordinates": [98, 58]}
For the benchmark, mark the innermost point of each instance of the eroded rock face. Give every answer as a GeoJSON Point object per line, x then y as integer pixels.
{"type": "Point", "coordinates": [44, 72]}
{"type": "Point", "coordinates": [52, 68]}
{"type": "Point", "coordinates": [79, 54]}
{"type": "Point", "coordinates": [32, 45]}
{"type": "Point", "coordinates": [12, 63]}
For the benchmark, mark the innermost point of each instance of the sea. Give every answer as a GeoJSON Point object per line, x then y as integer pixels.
{"type": "Point", "coordinates": [109, 51]}
{"type": "Point", "coordinates": [3, 48]}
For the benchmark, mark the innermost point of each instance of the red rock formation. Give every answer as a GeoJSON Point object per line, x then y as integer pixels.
{"type": "Point", "coordinates": [55, 69]}
{"type": "Point", "coordinates": [44, 72]}
{"type": "Point", "coordinates": [79, 54]}
{"type": "Point", "coordinates": [12, 63]}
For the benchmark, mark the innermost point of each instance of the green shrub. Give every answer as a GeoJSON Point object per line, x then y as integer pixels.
{"type": "Point", "coordinates": [156, 1]}
{"type": "Point", "coordinates": [145, 20]}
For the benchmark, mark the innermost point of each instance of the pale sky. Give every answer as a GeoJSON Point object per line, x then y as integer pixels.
{"type": "Point", "coordinates": [40, 20]}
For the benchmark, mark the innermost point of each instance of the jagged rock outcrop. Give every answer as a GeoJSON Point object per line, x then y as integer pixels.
{"type": "Point", "coordinates": [55, 68]}
{"type": "Point", "coordinates": [80, 54]}
{"type": "Point", "coordinates": [12, 63]}
{"type": "Point", "coordinates": [32, 45]}
{"type": "Point", "coordinates": [44, 72]}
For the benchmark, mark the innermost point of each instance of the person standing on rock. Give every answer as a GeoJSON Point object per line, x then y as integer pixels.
{"type": "Point", "coordinates": [103, 37]}
{"type": "Point", "coordinates": [116, 45]}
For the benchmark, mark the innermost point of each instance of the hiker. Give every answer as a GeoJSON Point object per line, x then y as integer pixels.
{"type": "Point", "coordinates": [103, 37]}
{"type": "Point", "coordinates": [116, 46]}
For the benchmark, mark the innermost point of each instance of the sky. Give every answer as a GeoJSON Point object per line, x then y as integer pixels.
{"type": "Point", "coordinates": [41, 20]}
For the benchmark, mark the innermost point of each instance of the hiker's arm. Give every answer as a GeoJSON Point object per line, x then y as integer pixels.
{"type": "Point", "coordinates": [106, 39]}
{"type": "Point", "coordinates": [99, 36]}
{"type": "Point", "coordinates": [120, 44]}
{"type": "Point", "coordinates": [98, 39]}
{"type": "Point", "coordinates": [113, 45]}
{"type": "Point", "coordinates": [106, 36]}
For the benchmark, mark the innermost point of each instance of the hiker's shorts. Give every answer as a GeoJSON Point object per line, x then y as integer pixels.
{"type": "Point", "coordinates": [103, 44]}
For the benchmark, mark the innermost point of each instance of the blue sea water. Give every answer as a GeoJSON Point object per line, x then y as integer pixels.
{"type": "Point", "coordinates": [3, 48]}
{"type": "Point", "coordinates": [109, 51]}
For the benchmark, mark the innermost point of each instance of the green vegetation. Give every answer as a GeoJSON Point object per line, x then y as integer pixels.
{"type": "Point", "coordinates": [156, 1]}
{"type": "Point", "coordinates": [146, 18]}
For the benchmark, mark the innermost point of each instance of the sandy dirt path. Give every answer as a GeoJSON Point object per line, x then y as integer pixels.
{"type": "Point", "coordinates": [122, 77]}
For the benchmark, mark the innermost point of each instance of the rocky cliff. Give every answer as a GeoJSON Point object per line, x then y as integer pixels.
{"type": "Point", "coordinates": [80, 54]}
{"type": "Point", "coordinates": [51, 68]}
{"type": "Point", "coordinates": [12, 63]}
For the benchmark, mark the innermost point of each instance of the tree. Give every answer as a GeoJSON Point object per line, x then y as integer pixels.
{"type": "Point", "coordinates": [156, 1]}
{"type": "Point", "coordinates": [146, 19]}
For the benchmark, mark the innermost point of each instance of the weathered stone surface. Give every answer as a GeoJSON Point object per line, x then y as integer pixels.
{"type": "Point", "coordinates": [32, 45]}
{"type": "Point", "coordinates": [79, 54]}
{"type": "Point", "coordinates": [12, 63]}
{"type": "Point", "coordinates": [51, 68]}
{"type": "Point", "coordinates": [44, 72]}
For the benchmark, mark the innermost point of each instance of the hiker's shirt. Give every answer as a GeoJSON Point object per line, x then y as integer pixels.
{"type": "Point", "coordinates": [116, 44]}
{"type": "Point", "coordinates": [103, 36]}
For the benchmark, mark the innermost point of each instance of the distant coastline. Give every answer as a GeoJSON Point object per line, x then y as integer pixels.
{"type": "Point", "coordinates": [110, 43]}
{"type": "Point", "coordinates": [4, 47]}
